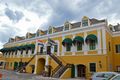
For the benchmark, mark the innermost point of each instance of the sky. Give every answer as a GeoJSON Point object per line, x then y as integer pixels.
{"type": "Point", "coordinates": [17, 17]}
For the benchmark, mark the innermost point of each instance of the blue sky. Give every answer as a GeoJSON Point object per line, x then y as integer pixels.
{"type": "Point", "coordinates": [17, 17]}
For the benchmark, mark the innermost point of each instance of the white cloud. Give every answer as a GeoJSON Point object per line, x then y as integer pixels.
{"type": "Point", "coordinates": [34, 14]}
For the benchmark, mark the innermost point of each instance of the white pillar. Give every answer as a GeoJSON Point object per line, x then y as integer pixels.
{"type": "Point", "coordinates": [36, 62]}
{"type": "Point", "coordinates": [76, 72]}
{"type": "Point", "coordinates": [35, 51]}
{"type": "Point", "coordinates": [104, 40]}
{"type": "Point", "coordinates": [73, 47]}
{"type": "Point", "coordinates": [63, 48]}
{"type": "Point", "coordinates": [47, 62]}
{"type": "Point", "coordinates": [85, 45]}
{"type": "Point", "coordinates": [99, 41]}
{"type": "Point", "coordinates": [29, 53]}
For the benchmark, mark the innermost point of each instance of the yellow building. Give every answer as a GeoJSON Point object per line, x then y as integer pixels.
{"type": "Point", "coordinates": [80, 49]}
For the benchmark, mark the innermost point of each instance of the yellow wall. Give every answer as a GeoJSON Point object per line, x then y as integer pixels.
{"type": "Point", "coordinates": [116, 56]}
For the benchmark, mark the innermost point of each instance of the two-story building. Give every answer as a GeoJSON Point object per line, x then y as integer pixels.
{"type": "Point", "coordinates": [90, 45]}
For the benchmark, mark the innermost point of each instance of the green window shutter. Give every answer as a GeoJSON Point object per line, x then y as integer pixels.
{"type": "Point", "coordinates": [73, 71]}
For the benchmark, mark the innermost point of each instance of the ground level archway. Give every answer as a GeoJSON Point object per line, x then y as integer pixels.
{"type": "Point", "coordinates": [40, 65]}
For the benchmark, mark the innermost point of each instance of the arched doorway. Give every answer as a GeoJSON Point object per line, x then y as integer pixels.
{"type": "Point", "coordinates": [81, 70]}
{"type": "Point", "coordinates": [40, 65]}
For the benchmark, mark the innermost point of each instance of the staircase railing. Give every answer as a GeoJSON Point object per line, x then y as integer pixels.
{"type": "Point", "coordinates": [62, 70]}
{"type": "Point", "coordinates": [22, 67]}
{"type": "Point", "coordinates": [56, 59]}
{"type": "Point", "coordinates": [55, 70]}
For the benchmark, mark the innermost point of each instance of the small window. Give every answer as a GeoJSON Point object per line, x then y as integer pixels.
{"type": "Point", "coordinates": [92, 45]}
{"type": "Point", "coordinates": [37, 33]}
{"type": "Point", "coordinates": [50, 31]}
{"type": "Point", "coordinates": [79, 46]}
{"type": "Point", "coordinates": [41, 49]}
{"type": "Point", "coordinates": [85, 22]}
{"type": "Point", "coordinates": [55, 48]}
{"type": "Point", "coordinates": [66, 26]}
{"type": "Point", "coordinates": [92, 67]}
{"type": "Point", "coordinates": [118, 48]}
{"type": "Point", "coordinates": [68, 47]}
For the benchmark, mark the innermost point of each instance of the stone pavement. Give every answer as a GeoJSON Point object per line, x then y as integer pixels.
{"type": "Point", "coordinates": [11, 75]}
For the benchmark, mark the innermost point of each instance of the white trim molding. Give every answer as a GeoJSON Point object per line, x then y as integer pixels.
{"type": "Point", "coordinates": [104, 40]}
{"type": "Point", "coordinates": [99, 41]}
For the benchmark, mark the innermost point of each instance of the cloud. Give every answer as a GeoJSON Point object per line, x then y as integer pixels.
{"type": "Point", "coordinates": [29, 15]}
{"type": "Point", "coordinates": [6, 32]}
{"type": "Point", "coordinates": [13, 15]}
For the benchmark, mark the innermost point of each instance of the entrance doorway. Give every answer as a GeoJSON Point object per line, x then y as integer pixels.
{"type": "Point", "coordinates": [40, 65]}
{"type": "Point", "coordinates": [81, 70]}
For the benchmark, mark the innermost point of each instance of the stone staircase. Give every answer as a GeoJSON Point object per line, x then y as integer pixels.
{"type": "Point", "coordinates": [21, 68]}
{"type": "Point", "coordinates": [60, 69]}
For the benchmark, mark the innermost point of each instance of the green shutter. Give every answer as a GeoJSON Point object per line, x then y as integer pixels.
{"type": "Point", "coordinates": [67, 41]}
{"type": "Point", "coordinates": [78, 39]}
{"type": "Point", "coordinates": [91, 37]}
{"type": "Point", "coordinates": [73, 71]}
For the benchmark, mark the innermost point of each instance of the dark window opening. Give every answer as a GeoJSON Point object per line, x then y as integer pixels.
{"type": "Point", "coordinates": [92, 67]}
{"type": "Point", "coordinates": [55, 48]}
{"type": "Point", "coordinates": [117, 48]}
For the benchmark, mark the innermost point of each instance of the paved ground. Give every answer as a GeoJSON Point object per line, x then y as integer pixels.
{"type": "Point", "coordinates": [11, 75]}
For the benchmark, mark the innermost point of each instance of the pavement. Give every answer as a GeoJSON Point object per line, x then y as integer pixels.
{"type": "Point", "coordinates": [12, 75]}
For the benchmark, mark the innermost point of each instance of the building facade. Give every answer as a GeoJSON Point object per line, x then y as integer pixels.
{"type": "Point", "coordinates": [88, 46]}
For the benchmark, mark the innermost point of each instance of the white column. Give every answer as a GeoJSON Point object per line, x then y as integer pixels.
{"type": "Point", "coordinates": [58, 48]}
{"type": "Point", "coordinates": [63, 48]}
{"type": "Point", "coordinates": [36, 62]}
{"type": "Point", "coordinates": [104, 40]}
{"type": "Point", "coordinates": [47, 62]}
{"type": "Point", "coordinates": [29, 53]}
{"type": "Point", "coordinates": [73, 50]}
{"type": "Point", "coordinates": [76, 72]}
{"type": "Point", "coordinates": [85, 45]}
{"type": "Point", "coordinates": [18, 52]}
{"type": "Point", "coordinates": [99, 41]}
{"type": "Point", "coordinates": [24, 53]}
{"type": "Point", "coordinates": [35, 51]}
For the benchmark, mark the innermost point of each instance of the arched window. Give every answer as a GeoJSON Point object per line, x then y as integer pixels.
{"type": "Point", "coordinates": [66, 25]}
{"type": "Point", "coordinates": [91, 40]}
{"type": "Point", "coordinates": [85, 21]}
{"type": "Point", "coordinates": [67, 43]}
{"type": "Point", "coordinates": [78, 41]}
